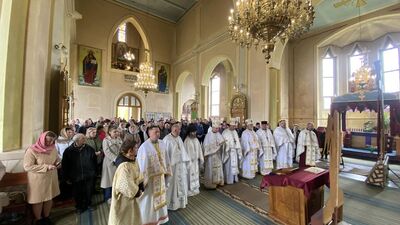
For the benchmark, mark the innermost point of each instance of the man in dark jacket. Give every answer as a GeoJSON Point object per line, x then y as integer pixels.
{"type": "Point", "coordinates": [79, 168]}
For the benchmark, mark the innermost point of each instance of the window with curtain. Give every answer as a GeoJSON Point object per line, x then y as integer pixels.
{"type": "Point", "coordinates": [129, 107]}
{"type": "Point", "coordinates": [122, 33]}
{"type": "Point", "coordinates": [328, 79]}
{"type": "Point", "coordinates": [215, 86]}
{"type": "Point", "coordinates": [390, 70]}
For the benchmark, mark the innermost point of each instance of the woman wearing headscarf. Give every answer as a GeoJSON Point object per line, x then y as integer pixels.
{"type": "Point", "coordinates": [132, 134]}
{"type": "Point", "coordinates": [41, 161]}
{"type": "Point", "coordinates": [111, 145]}
{"type": "Point", "coordinates": [64, 140]}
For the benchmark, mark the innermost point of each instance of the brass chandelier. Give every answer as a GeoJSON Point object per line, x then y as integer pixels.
{"type": "Point", "coordinates": [362, 81]}
{"type": "Point", "coordinates": [263, 22]}
{"type": "Point", "coordinates": [146, 79]}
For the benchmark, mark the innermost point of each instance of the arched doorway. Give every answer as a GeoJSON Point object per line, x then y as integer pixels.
{"type": "Point", "coordinates": [186, 91]}
{"type": "Point", "coordinates": [189, 110]}
{"type": "Point", "coordinates": [129, 107]}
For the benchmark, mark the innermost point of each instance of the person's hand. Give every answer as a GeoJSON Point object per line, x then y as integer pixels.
{"type": "Point", "coordinates": [51, 167]}
{"type": "Point", "coordinates": [98, 153]}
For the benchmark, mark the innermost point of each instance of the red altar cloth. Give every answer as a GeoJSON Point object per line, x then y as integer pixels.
{"type": "Point", "coordinates": [300, 179]}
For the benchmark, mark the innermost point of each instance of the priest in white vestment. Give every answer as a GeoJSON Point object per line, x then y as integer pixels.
{"type": "Point", "coordinates": [251, 146]}
{"type": "Point", "coordinates": [213, 146]}
{"type": "Point", "coordinates": [177, 190]}
{"type": "Point", "coordinates": [267, 153]}
{"type": "Point", "coordinates": [285, 145]}
{"type": "Point", "coordinates": [232, 154]}
{"type": "Point", "coordinates": [154, 164]}
{"type": "Point", "coordinates": [195, 152]}
{"type": "Point", "coordinates": [307, 147]}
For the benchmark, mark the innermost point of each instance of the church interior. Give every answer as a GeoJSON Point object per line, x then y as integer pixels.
{"type": "Point", "coordinates": [334, 64]}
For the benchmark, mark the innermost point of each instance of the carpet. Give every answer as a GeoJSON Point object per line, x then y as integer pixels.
{"type": "Point", "coordinates": [210, 207]}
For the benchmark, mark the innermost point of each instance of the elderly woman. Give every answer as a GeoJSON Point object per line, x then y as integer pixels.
{"type": "Point", "coordinates": [41, 161]}
{"type": "Point", "coordinates": [111, 146]}
{"type": "Point", "coordinates": [127, 186]}
{"type": "Point", "coordinates": [64, 140]}
{"type": "Point", "coordinates": [132, 134]}
{"type": "Point", "coordinates": [94, 141]}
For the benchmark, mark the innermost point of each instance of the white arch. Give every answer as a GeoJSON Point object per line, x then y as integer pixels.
{"type": "Point", "coordinates": [135, 22]}
{"type": "Point", "coordinates": [178, 89]}
{"type": "Point", "coordinates": [181, 79]}
{"type": "Point", "coordinates": [136, 94]}
{"type": "Point", "coordinates": [212, 64]}
{"type": "Point", "coordinates": [388, 23]}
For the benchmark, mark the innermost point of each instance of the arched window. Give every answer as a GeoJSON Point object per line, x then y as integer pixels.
{"type": "Point", "coordinates": [215, 86]}
{"type": "Point", "coordinates": [122, 33]}
{"type": "Point", "coordinates": [129, 107]}
{"type": "Point", "coordinates": [356, 60]}
{"type": "Point", "coordinates": [390, 70]}
{"type": "Point", "coordinates": [328, 79]}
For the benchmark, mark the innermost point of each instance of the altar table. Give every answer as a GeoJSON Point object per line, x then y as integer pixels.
{"type": "Point", "coordinates": [295, 197]}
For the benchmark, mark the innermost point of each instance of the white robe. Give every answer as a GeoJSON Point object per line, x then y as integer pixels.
{"type": "Point", "coordinates": [232, 156]}
{"type": "Point", "coordinates": [284, 141]}
{"type": "Point", "coordinates": [308, 142]}
{"type": "Point", "coordinates": [193, 147]}
{"type": "Point", "coordinates": [213, 173]}
{"type": "Point", "coordinates": [154, 164]}
{"type": "Point", "coordinates": [268, 152]}
{"type": "Point", "coordinates": [251, 146]}
{"type": "Point", "coordinates": [177, 192]}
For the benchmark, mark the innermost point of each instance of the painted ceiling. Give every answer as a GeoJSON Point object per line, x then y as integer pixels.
{"type": "Point", "coordinates": [327, 12]}
{"type": "Point", "coordinates": [171, 10]}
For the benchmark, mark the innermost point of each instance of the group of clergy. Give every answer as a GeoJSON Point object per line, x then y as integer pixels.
{"type": "Point", "coordinates": [171, 167]}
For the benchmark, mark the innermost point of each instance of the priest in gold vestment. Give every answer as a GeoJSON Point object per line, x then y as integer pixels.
{"type": "Point", "coordinates": [155, 167]}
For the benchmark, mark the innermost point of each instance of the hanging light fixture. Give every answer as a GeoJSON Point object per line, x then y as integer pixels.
{"type": "Point", "coordinates": [129, 56]}
{"type": "Point", "coordinates": [363, 79]}
{"type": "Point", "coordinates": [146, 79]}
{"type": "Point", "coordinates": [263, 22]}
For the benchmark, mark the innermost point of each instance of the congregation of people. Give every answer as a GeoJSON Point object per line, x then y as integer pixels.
{"type": "Point", "coordinates": [146, 168]}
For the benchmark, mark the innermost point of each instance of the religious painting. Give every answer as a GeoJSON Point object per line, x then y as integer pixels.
{"type": "Point", "coordinates": [239, 107]}
{"type": "Point", "coordinates": [124, 57]}
{"type": "Point", "coordinates": [162, 73]}
{"type": "Point", "coordinates": [89, 66]}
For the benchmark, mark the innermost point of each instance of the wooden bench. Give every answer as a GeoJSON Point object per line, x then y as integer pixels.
{"type": "Point", "coordinates": [16, 182]}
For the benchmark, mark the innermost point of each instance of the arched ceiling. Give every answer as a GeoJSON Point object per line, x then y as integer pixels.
{"type": "Point", "coordinates": [171, 10]}
{"type": "Point", "coordinates": [329, 12]}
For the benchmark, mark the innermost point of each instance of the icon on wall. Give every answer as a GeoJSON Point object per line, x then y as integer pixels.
{"type": "Point", "coordinates": [162, 73]}
{"type": "Point", "coordinates": [89, 66]}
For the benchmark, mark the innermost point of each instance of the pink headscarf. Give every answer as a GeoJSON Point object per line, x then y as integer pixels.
{"type": "Point", "coordinates": [40, 145]}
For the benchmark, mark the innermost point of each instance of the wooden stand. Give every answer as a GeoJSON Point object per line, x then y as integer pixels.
{"type": "Point", "coordinates": [290, 206]}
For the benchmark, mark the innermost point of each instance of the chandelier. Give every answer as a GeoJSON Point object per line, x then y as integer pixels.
{"type": "Point", "coordinates": [146, 79]}
{"type": "Point", "coordinates": [362, 80]}
{"type": "Point", "coordinates": [263, 22]}
{"type": "Point", "coordinates": [129, 56]}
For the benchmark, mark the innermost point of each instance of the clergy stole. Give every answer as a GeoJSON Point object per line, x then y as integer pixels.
{"type": "Point", "coordinates": [212, 150]}
{"type": "Point", "coordinates": [251, 146]}
{"type": "Point", "coordinates": [233, 150]}
{"type": "Point", "coordinates": [308, 142]}
{"type": "Point", "coordinates": [159, 192]}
